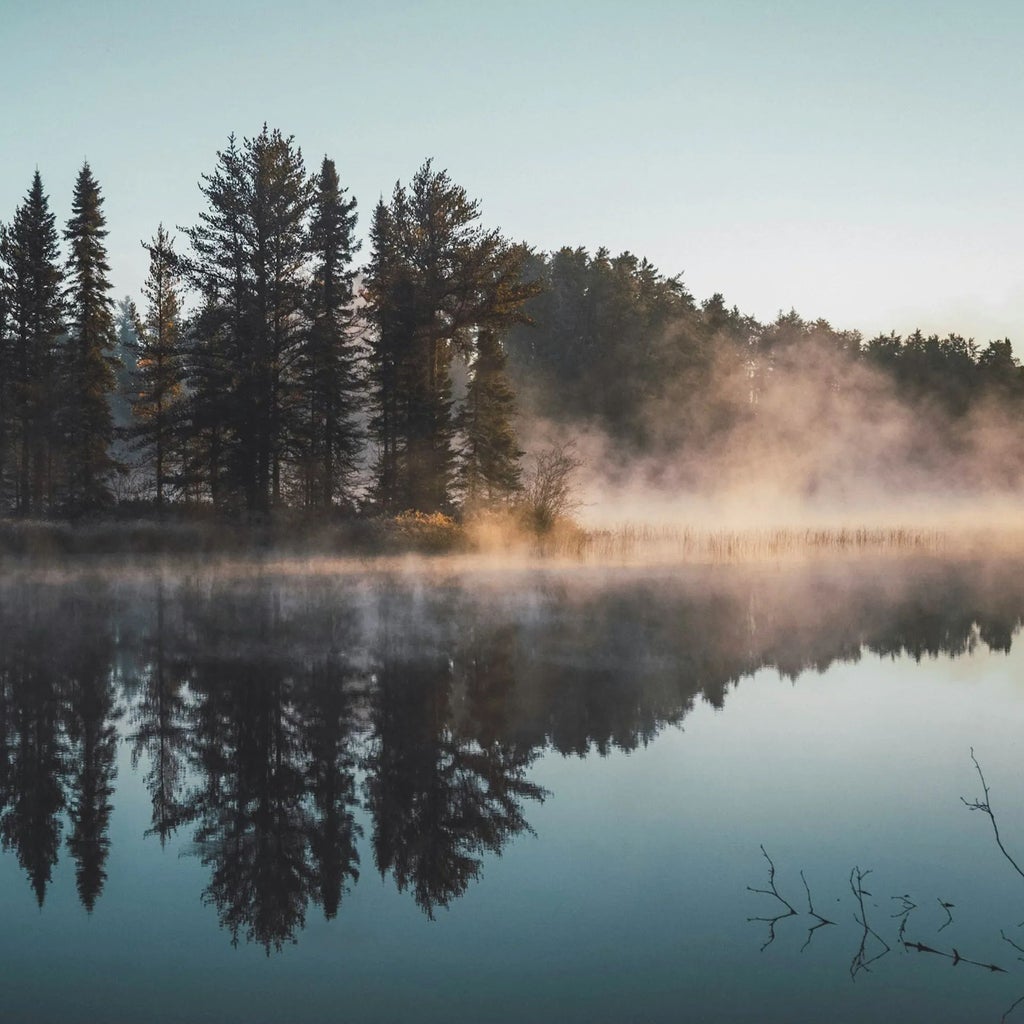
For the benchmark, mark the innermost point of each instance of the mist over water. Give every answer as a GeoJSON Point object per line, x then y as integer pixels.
{"type": "Point", "coordinates": [347, 769]}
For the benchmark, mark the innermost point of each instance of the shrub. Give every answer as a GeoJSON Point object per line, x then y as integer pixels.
{"type": "Point", "coordinates": [424, 531]}
{"type": "Point", "coordinates": [548, 489]}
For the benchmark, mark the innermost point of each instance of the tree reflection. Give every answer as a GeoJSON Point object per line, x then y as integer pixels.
{"type": "Point", "coordinates": [91, 713]}
{"type": "Point", "coordinates": [275, 718]}
{"type": "Point", "coordinates": [33, 747]}
{"type": "Point", "coordinates": [330, 736]}
{"type": "Point", "coordinates": [252, 823]}
{"type": "Point", "coordinates": [439, 799]}
{"type": "Point", "coordinates": [273, 747]}
{"type": "Point", "coordinates": [163, 728]}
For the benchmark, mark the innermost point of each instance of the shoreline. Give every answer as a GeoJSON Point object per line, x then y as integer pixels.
{"type": "Point", "coordinates": [291, 548]}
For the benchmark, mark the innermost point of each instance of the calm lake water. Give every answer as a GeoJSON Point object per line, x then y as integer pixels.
{"type": "Point", "coordinates": [490, 796]}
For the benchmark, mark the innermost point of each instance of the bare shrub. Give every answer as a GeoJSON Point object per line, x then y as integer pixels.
{"type": "Point", "coordinates": [548, 488]}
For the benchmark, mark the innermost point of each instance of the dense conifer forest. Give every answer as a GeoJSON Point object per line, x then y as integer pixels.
{"type": "Point", "coordinates": [268, 365]}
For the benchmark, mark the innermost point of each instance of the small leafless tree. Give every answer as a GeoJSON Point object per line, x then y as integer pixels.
{"type": "Point", "coordinates": [548, 488]}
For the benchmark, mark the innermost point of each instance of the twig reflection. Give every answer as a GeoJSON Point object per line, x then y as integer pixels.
{"type": "Point", "coordinates": [955, 956]}
{"type": "Point", "coordinates": [861, 961]}
{"type": "Point", "coordinates": [906, 906]}
{"type": "Point", "coordinates": [985, 806]}
{"type": "Point", "coordinates": [774, 892]}
{"type": "Point", "coordinates": [822, 921]}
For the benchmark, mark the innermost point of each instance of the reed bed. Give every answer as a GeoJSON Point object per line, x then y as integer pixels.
{"type": "Point", "coordinates": [630, 542]}
{"type": "Point", "coordinates": [415, 534]}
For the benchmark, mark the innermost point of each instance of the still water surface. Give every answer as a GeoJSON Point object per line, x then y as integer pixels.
{"type": "Point", "coordinates": [512, 796]}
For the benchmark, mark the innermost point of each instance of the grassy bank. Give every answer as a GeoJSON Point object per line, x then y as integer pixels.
{"type": "Point", "coordinates": [437, 535]}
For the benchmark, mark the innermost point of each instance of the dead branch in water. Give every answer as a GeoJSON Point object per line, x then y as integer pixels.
{"type": "Point", "coordinates": [861, 961]}
{"type": "Point", "coordinates": [955, 956]}
{"type": "Point", "coordinates": [1013, 1006]}
{"type": "Point", "coordinates": [906, 906]}
{"type": "Point", "coordinates": [1020, 949]}
{"type": "Point", "coordinates": [985, 805]}
{"type": "Point", "coordinates": [772, 891]}
{"type": "Point", "coordinates": [947, 907]}
{"type": "Point", "coordinates": [822, 921]}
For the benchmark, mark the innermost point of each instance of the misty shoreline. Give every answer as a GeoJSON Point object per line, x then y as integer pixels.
{"type": "Point", "coordinates": [315, 547]}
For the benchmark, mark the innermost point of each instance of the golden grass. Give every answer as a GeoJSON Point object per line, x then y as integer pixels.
{"type": "Point", "coordinates": [630, 542]}
{"type": "Point", "coordinates": [493, 538]}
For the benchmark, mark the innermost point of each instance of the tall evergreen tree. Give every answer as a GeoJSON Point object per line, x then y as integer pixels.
{"type": "Point", "coordinates": [159, 372]}
{"type": "Point", "coordinates": [30, 279]}
{"type": "Point", "coordinates": [88, 427]}
{"type": "Point", "coordinates": [330, 436]}
{"type": "Point", "coordinates": [391, 317]}
{"type": "Point", "coordinates": [208, 406]}
{"type": "Point", "coordinates": [435, 279]}
{"type": "Point", "coordinates": [250, 251]}
{"type": "Point", "coordinates": [490, 455]}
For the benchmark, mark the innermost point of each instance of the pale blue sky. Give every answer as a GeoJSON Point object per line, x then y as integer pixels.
{"type": "Point", "coordinates": [862, 162]}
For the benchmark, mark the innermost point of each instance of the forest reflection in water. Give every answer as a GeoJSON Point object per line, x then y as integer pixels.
{"type": "Point", "coordinates": [272, 714]}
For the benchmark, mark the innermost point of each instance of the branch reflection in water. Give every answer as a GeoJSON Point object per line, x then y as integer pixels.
{"type": "Point", "coordinates": [867, 952]}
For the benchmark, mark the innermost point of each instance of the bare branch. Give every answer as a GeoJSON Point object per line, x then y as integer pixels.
{"type": "Point", "coordinates": [772, 891]}
{"type": "Point", "coordinates": [947, 907]}
{"type": "Point", "coordinates": [1013, 1006]}
{"type": "Point", "coordinates": [906, 906]}
{"type": "Point", "coordinates": [822, 921]}
{"type": "Point", "coordinates": [986, 806]}
{"type": "Point", "coordinates": [861, 961]}
{"type": "Point", "coordinates": [1020, 949]}
{"type": "Point", "coordinates": [956, 956]}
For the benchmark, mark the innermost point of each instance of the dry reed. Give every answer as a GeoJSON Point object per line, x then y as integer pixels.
{"type": "Point", "coordinates": [630, 542]}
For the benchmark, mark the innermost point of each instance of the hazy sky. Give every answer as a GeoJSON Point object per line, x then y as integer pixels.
{"type": "Point", "coordinates": [863, 162]}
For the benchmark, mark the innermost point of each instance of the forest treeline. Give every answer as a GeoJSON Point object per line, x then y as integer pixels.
{"type": "Point", "coordinates": [613, 341]}
{"type": "Point", "coordinates": [263, 368]}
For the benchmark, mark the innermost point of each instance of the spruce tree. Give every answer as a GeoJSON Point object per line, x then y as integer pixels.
{"type": "Point", "coordinates": [390, 313]}
{"type": "Point", "coordinates": [435, 279]}
{"type": "Point", "coordinates": [209, 406]}
{"type": "Point", "coordinates": [490, 455]}
{"type": "Point", "coordinates": [31, 279]}
{"type": "Point", "coordinates": [249, 259]}
{"type": "Point", "coordinates": [329, 434]}
{"type": "Point", "coordinates": [89, 372]}
{"type": "Point", "coordinates": [159, 373]}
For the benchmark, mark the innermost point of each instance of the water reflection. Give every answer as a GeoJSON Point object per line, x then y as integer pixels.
{"type": "Point", "coordinates": [270, 715]}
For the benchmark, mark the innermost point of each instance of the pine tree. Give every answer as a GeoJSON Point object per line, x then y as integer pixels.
{"type": "Point", "coordinates": [90, 365]}
{"type": "Point", "coordinates": [329, 434]}
{"type": "Point", "coordinates": [390, 313]}
{"type": "Point", "coordinates": [31, 279]}
{"type": "Point", "coordinates": [209, 406]}
{"type": "Point", "coordinates": [435, 279]}
{"type": "Point", "coordinates": [250, 252]}
{"type": "Point", "coordinates": [159, 372]}
{"type": "Point", "coordinates": [490, 455]}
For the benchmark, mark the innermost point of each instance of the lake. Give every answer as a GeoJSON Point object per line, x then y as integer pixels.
{"type": "Point", "coordinates": [431, 792]}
